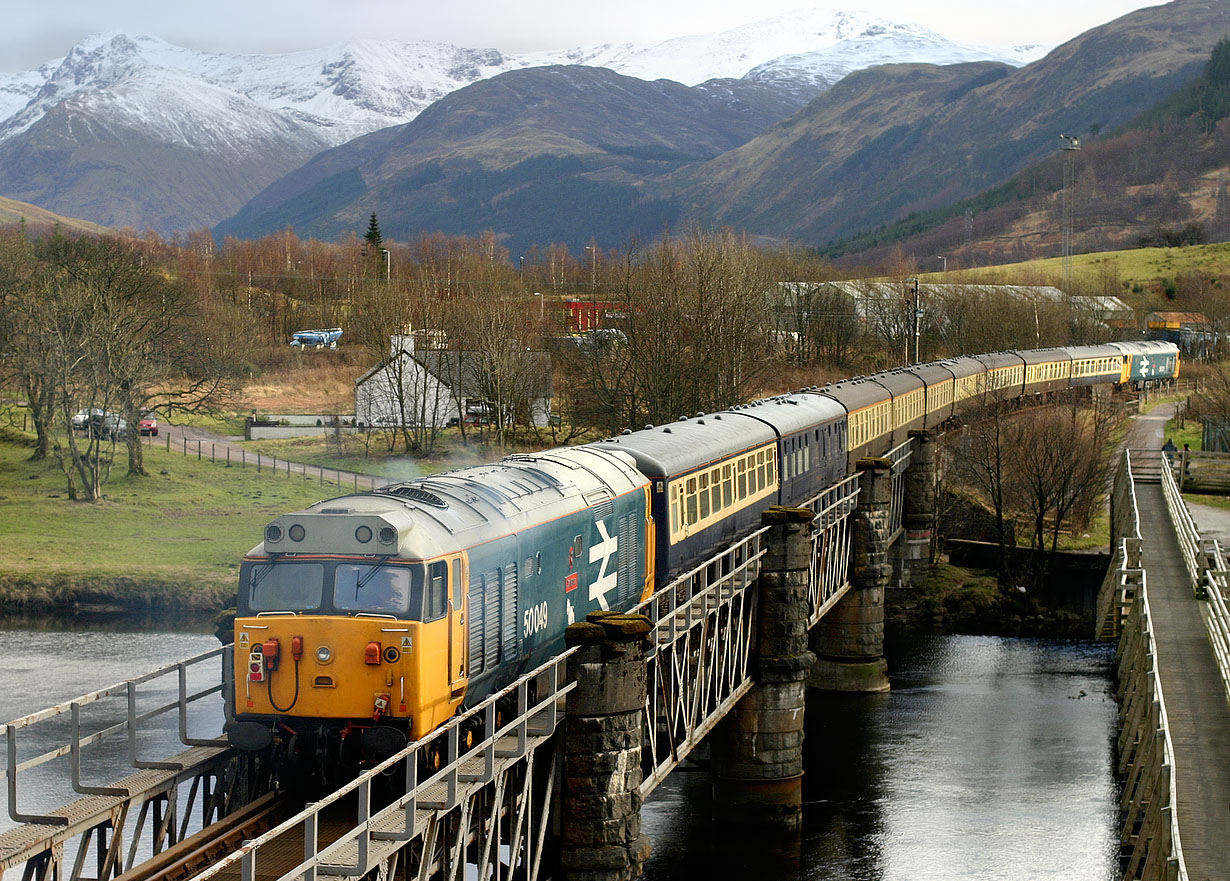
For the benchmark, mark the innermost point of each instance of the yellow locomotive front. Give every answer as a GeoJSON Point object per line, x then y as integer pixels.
{"type": "Point", "coordinates": [342, 630]}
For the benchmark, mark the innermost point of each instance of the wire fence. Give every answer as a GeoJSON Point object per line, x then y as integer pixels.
{"type": "Point", "coordinates": [227, 455]}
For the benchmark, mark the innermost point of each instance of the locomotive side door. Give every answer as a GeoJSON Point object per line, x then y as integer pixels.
{"type": "Point", "coordinates": [457, 661]}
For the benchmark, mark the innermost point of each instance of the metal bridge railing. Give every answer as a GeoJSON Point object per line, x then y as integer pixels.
{"type": "Point", "coordinates": [900, 456]}
{"type": "Point", "coordinates": [832, 546]}
{"type": "Point", "coordinates": [82, 735]}
{"type": "Point", "coordinates": [1216, 586]}
{"type": "Point", "coordinates": [478, 809]}
{"type": "Point", "coordinates": [699, 657]}
{"type": "Point", "coordinates": [1181, 519]}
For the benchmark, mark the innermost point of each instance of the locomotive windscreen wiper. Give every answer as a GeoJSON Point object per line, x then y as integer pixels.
{"type": "Point", "coordinates": [367, 576]}
{"type": "Point", "coordinates": [259, 575]}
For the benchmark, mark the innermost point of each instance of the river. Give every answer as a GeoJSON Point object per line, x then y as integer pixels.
{"type": "Point", "coordinates": [991, 758]}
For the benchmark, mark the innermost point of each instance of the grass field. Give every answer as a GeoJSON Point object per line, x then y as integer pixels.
{"type": "Point", "coordinates": [171, 540]}
{"type": "Point", "coordinates": [1142, 266]}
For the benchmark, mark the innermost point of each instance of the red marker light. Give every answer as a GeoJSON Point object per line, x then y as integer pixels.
{"type": "Point", "coordinates": [296, 647]}
{"type": "Point", "coordinates": [371, 654]}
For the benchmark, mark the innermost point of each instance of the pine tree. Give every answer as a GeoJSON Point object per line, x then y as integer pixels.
{"type": "Point", "coordinates": [373, 237]}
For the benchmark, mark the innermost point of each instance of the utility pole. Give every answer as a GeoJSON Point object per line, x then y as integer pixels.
{"type": "Point", "coordinates": [917, 318]}
{"type": "Point", "coordinates": [1069, 145]}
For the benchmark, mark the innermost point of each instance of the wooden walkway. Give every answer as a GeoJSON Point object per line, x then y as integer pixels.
{"type": "Point", "coordinates": [1194, 694]}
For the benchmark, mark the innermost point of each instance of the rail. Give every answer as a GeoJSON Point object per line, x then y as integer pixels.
{"type": "Point", "coordinates": [81, 736]}
{"type": "Point", "coordinates": [700, 653]}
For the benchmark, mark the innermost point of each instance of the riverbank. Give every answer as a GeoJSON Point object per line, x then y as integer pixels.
{"type": "Point", "coordinates": [955, 599]}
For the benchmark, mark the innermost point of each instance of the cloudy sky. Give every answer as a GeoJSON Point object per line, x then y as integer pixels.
{"type": "Point", "coordinates": [35, 32]}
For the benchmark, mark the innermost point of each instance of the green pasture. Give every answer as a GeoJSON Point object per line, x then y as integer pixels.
{"type": "Point", "coordinates": [171, 540]}
{"type": "Point", "coordinates": [1137, 266]}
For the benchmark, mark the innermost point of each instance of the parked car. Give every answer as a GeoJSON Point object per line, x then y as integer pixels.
{"type": "Point", "coordinates": [148, 424]}
{"type": "Point", "coordinates": [108, 426]}
{"type": "Point", "coordinates": [81, 419]}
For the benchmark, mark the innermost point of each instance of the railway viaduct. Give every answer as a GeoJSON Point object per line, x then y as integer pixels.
{"type": "Point", "coordinates": [726, 652]}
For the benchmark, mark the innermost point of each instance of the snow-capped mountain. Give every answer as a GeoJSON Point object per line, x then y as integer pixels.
{"type": "Point", "coordinates": [358, 87]}
{"type": "Point", "coordinates": [839, 41]}
{"type": "Point", "coordinates": [129, 130]}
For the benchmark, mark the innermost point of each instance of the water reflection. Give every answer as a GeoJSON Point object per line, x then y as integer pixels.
{"type": "Point", "coordinates": [991, 758]}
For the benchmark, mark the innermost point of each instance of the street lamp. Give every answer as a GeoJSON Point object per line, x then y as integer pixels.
{"type": "Point", "coordinates": [521, 267]}
{"type": "Point", "coordinates": [388, 263]}
{"type": "Point", "coordinates": [593, 267]}
{"type": "Point", "coordinates": [917, 318]}
{"type": "Point", "coordinates": [540, 306]}
{"type": "Point", "coordinates": [945, 259]}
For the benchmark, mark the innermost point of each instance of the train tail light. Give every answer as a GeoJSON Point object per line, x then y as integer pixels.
{"type": "Point", "coordinates": [256, 664]}
{"type": "Point", "coordinates": [371, 654]}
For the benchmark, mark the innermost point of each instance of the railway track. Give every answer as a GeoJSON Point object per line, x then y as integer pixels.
{"type": "Point", "coordinates": [215, 841]}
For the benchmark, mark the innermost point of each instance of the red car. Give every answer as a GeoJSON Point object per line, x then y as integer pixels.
{"type": "Point", "coordinates": [148, 425]}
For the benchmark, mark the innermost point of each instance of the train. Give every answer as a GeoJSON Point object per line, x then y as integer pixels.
{"type": "Point", "coordinates": [366, 621]}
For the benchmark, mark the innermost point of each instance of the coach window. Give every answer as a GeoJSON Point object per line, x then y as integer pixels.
{"type": "Point", "coordinates": [728, 486]}
{"type": "Point", "coordinates": [704, 496]}
{"type": "Point", "coordinates": [691, 499]}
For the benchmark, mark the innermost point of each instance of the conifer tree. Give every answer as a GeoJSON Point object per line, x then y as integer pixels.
{"type": "Point", "coordinates": [373, 237]}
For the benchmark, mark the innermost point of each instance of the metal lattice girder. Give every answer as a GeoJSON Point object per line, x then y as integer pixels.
{"type": "Point", "coordinates": [832, 546]}
{"type": "Point", "coordinates": [700, 653]}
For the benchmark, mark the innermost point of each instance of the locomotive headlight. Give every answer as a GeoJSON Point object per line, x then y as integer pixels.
{"type": "Point", "coordinates": [388, 535]}
{"type": "Point", "coordinates": [295, 532]}
{"type": "Point", "coordinates": [273, 532]}
{"type": "Point", "coordinates": [363, 534]}
{"type": "Point", "coordinates": [324, 654]}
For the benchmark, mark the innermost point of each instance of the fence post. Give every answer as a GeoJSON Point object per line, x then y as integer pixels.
{"type": "Point", "coordinates": [198, 451]}
{"type": "Point", "coordinates": [258, 463]}
{"type": "Point", "coordinates": [212, 453]}
{"type": "Point", "coordinates": [228, 457]}
{"type": "Point", "coordinates": [168, 441]}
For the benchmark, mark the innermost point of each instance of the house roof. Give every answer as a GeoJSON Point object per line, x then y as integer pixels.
{"type": "Point", "coordinates": [463, 370]}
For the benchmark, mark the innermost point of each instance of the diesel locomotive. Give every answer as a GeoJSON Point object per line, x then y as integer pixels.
{"type": "Point", "coordinates": [370, 619]}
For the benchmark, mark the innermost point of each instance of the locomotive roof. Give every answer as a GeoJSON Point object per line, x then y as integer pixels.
{"type": "Point", "coordinates": [666, 450]}
{"type": "Point", "coordinates": [446, 512]}
{"type": "Point", "coordinates": [1146, 347]}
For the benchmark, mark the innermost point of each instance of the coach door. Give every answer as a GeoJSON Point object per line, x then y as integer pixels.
{"type": "Point", "coordinates": [457, 662]}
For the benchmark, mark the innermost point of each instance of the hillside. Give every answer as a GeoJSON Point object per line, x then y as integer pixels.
{"type": "Point", "coordinates": [882, 145]}
{"type": "Point", "coordinates": [12, 211]}
{"type": "Point", "coordinates": [569, 154]}
{"type": "Point", "coordinates": [539, 155]}
{"type": "Point", "coordinates": [1160, 179]}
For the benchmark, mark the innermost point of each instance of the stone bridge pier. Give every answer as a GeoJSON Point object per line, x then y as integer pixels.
{"type": "Point", "coordinates": [849, 640]}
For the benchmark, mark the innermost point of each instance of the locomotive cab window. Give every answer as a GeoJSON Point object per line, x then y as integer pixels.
{"type": "Point", "coordinates": [437, 591]}
{"type": "Point", "coordinates": [365, 588]}
{"type": "Point", "coordinates": [284, 587]}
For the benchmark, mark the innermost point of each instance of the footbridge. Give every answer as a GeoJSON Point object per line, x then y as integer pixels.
{"type": "Point", "coordinates": [1164, 599]}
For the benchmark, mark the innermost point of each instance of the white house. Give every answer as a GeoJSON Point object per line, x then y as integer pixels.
{"type": "Point", "coordinates": [431, 386]}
